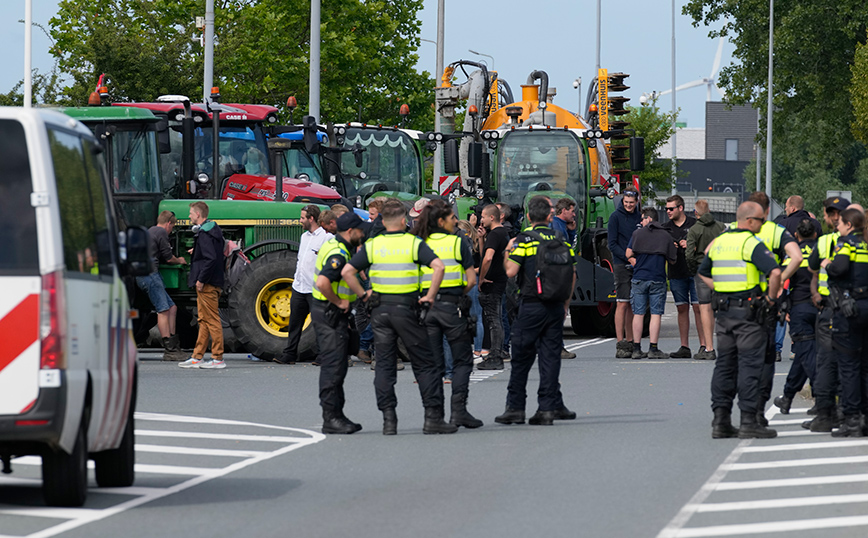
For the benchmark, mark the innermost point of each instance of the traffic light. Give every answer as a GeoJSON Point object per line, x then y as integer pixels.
{"type": "Point", "coordinates": [616, 109]}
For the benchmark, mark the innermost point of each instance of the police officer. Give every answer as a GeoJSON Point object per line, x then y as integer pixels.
{"type": "Point", "coordinates": [781, 244]}
{"type": "Point", "coordinates": [825, 387]}
{"type": "Point", "coordinates": [330, 313]}
{"type": "Point", "coordinates": [848, 282]}
{"type": "Point", "coordinates": [539, 326]}
{"type": "Point", "coordinates": [392, 261]}
{"type": "Point", "coordinates": [733, 268]}
{"type": "Point", "coordinates": [450, 314]}
{"type": "Point", "coordinates": [803, 319]}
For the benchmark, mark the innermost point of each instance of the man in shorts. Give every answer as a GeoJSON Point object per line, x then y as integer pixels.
{"type": "Point", "coordinates": [155, 288]}
{"type": "Point", "coordinates": [622, 223]}
{"type": "Point", "coordinates": [680, 279]}
{"type": "Point", "coordinates": [699, 237]}
{"type": "Point", "coordinates": [648, 251]}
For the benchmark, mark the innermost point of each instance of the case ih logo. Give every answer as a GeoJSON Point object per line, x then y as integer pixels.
{"type": "Point", "coordinates": [265, 193]}
{"type": "Point", "coordinates": [235, 116]}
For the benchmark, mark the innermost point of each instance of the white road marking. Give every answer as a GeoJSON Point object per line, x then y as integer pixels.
{"type": "Point", "coordinates": [677, 526]}
{"type": "Point", "coordinates": [224, 436]}
{"type": "Point", "coordinates": [786, 422]}
{"type": "Point", "coordinates": [481, 375]}
{"type": "Point", "coordinates": [142, 495]}
{"type": "Point", "coordinates": [588, 343]}
{"type": "Point", "coordinates": [193, 451]}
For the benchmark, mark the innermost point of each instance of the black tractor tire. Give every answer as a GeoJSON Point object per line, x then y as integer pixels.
{"type": "Point", "coordinates": [64, 476]}
{"type": "Point", "coordinates": [602, 316]}
{"type": "Point", "coordinates": [259, 306]}
{"type": "Point", "coordinates": [579, 320]}
{"type": "Point", "coordinates": [116, 468]}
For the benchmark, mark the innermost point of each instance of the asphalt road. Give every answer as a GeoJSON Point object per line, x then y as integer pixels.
{"type": "Point", "coordinates": [237, 452]}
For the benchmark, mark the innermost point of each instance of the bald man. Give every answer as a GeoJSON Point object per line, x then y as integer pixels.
{"type": "Point", "coordinates": [795, 209]}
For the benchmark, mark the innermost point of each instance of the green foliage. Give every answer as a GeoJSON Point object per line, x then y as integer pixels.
{"type": "Point", "coordinates": [261, 54]}
{"type": "Point", "coordinates": [815, 44]}
{"type": "Point", "coordinates": [45, 89]}
{"type": "Point", "coordinates": [656, 127]}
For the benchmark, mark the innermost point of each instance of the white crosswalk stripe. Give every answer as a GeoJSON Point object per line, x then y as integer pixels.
{"type": "Point", "coordinates": [770, 486]}
{"type": "Point", "coordinates": [164, 458]}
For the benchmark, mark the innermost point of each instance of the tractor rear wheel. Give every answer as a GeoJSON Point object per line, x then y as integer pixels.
{"type": "Point", "coordinates": [259, 307]}
{"type": "Point", "coordinates": [602, 316]}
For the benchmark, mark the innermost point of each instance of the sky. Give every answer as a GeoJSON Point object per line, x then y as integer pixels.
{"type": "Point", "coordinates": [555, 36]}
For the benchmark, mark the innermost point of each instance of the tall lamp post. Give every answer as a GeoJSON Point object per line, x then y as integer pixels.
{"type": "Point", "coordinates": [577, 84]}
{"type": "Point", "coordinates": [769, 111]}
{"type": "Point", "coordinates": [483, 54]}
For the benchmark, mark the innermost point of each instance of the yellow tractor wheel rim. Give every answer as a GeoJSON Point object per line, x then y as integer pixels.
{"type": "Point", "coordinates": [272, 307]}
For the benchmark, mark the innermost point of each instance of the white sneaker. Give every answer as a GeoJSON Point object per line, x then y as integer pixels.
{"type": "Point", "coordinates": [212, 364]}
{"type": "Point", "coordinates": [191, 363]}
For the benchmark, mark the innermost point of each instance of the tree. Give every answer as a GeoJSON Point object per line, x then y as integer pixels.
{"type": "Point", "coordinates": [859, 93]}
{"type": "Point", "coordinates": [261, 53]}
{"type": "Point", "coordinates": [656, 128]}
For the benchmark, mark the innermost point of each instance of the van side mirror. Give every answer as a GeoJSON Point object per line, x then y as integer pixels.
{"type": "Point", "coordinates": [637, 153]}
{"type": "Point", "coordinates": [450, 156]}
{"type": "Point", "coordinates": [134, 248]}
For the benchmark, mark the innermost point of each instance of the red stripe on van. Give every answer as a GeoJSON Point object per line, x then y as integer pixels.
{"type": "Point", "coordinates": [20, 328]}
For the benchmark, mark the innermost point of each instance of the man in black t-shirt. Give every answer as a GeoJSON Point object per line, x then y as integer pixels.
{"type": "Point", "coordinates": [680, 280]}
{"type": "Point", "coordinates": [492, 285]}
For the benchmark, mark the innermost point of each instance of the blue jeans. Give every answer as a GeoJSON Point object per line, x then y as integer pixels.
{"type": "Point", "coordinates": [645, 293]}
{"type": "Point", "coordinates": [780, 333]}
{"type": "Point", "coordinates": [476, 310]}
{"type": "Point", "coordinates": [366, 338]}
{"type": "Point", "coordinates": [683, 290]}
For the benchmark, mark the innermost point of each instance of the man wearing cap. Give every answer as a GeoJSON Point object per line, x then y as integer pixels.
{"type": "Point", "coordinates": [331, 316]}
{"type": "Point", "coordinates": [302, 286]}
{"type": "Point", "coordinates": [825, 387]}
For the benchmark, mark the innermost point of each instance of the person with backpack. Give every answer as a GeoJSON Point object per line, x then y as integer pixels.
{"type": "Point", "coordinates": [648, 251]}
{"type": "Point", "coordinates": [544, 266]}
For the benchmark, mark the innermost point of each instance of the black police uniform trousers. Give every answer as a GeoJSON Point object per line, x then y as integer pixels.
{"type": "Point", "coordinates": [767, 378]}
{"type": "Point", "coordinates": [803, 319]}
{"type": "Point", "coordinates": [825, 386]}
{"type": "Point", "coordinates": [741, 347]}
{"type": "Point", "coordinates": [538, 330]}
{"type": "Point", "coordinates": [300, 305]}
{"type": "Point", "coordinates": [333, 341]}
{"type": "Point", "coordinates": [444, 319]}
{"type": "Point", "coordinates": [850, 340]}
{"type": "Point", "coordinates": [391, 321]}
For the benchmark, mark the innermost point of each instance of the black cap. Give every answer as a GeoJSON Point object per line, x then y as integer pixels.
{"type": "Point", "coordinates": [839, 203]}
{"type": "Point", "coordinates": [351, 220]}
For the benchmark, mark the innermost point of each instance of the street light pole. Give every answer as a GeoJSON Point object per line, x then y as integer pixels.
{"type": "Point", "coordinates": [438, 153]}
{"type": "Point", "coordinates": [769, 111]}
{"type": "Point", "coordinates": [28, 56]}
{"type": "Point", "coordinates": [674, 109]}
{"type": "Point", "coordinates": [483, 54]}
{"type": "Point", "coordinates": [577, 84]}
{"type": "Point", "coordinates": [313, 90]}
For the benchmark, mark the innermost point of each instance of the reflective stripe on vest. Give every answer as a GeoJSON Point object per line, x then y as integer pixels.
{"type": "Point", "coordinates": [448, 249]}
{"type": "Point", "coordinates": [770, 234]}
{"type": "Point", "coordinates": [806, 253]}
{"type": "Point", "coordinates": [825, 245]}
{"type": "Point", "coordinates": [341, 289]}
{"type": "Point", "coordinates": [393, 263]}
{"type": "Point", "coordinates": [731, 268]}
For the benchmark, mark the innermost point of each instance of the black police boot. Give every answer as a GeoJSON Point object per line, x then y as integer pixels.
{"type": "Point", "coordinates": [460, 415]}
{"type": "Point", "coordinates": [356, 426]}
{"type": "Point", "coordinates": [564, 414]}
{"type": "Point", "coordinates": [390, 421]}
{"type": "Point", "coordinates": [813, 410]}
{"type": "Point", "coordinates": [542, 418]}
{"type": "Point", "coordinates": [491, 363]}
{"type": "Point", "coordinates": [750, 429]}
{"type": "Point", "coordinates": [823, 422]}
{"type": "Point", "coordinates": [434, 422]}
{"type": "Point", "coordinates": [760, 414]}
{"type": "Point", "coordinates": [510, 416]}
{"type": "Point", "coordinates": [721, 426]}
{"type": "Point", "coordinates": [783, 403]}
{"type": "Point", "coordinates": [335, 423]}
{"type": "Point", "coordinates": [852, 427]}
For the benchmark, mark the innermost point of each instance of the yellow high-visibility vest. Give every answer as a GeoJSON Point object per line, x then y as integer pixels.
{"type": "Point", "coordinates": [731, 269]}
{"type": "Point", "coordinates": [393, 263]}
{"type": "Point", "coordinates": [448, 249]}
{"type": "Point", "coordinates": [826, 244]}
{"type": "Point", "coordinates": [340, 288]}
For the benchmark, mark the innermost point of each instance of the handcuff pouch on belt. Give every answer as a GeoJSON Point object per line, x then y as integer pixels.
{"type": "Point", "coordinates": [334, 316]}
{"type": "Point", "coordinates": [721, 302]}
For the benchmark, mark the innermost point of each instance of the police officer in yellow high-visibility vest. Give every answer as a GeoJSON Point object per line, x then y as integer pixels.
{"type": "Point", "coordinates": [848, 286]}
{"type": "Point", "coordinates": [392, 261]}
{"type": "Point", "coordinates": [825, 387]}
{"type": "Point", "coordinates": [735, 265]}
{"type": "Point", "coordinates": [449, 315]}
{"type": "Point", "coordinates": [781, 244]}
{"type": "Point", "coordinates": [330, 313]}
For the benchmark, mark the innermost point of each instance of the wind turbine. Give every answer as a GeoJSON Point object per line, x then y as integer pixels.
{"type": "Point", "coordinates": [709, 81]}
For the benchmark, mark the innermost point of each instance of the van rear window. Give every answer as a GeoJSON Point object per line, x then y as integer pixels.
{"type": "Point", "coordinates": [18, 252]}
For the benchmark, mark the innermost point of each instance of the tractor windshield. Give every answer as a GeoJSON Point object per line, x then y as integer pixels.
{"type": "Point", "coordinates": [134, 161]}
{"type": "Point", "coordinates": [390, 161]}
{"type": "Point", "coordinates": [539, 161]}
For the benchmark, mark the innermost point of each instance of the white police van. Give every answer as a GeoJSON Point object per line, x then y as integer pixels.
{"type": "Point", "coordinates": [67, 356]}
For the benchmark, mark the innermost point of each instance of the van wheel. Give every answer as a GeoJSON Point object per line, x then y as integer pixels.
{"type": "Point", "coordinates": [116, 468]}
{"type": "Point", "coordinates": [64, 476]}
{"type": "Point", "coordinates": [259, 306]}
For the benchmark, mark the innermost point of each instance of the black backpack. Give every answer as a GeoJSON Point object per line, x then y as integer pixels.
{"type": "Point", "coordinates": [554, 268]}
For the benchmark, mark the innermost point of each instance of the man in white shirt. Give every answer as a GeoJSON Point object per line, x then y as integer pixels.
{"type": "Point", "coordinates": [302, 286]}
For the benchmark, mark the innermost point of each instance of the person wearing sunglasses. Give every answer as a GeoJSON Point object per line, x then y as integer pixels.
{"type": "Point", "coordinates": [680, 281]}
{"type": "Point", "coordinates": [622, 223]}
{"type": "Point", "coordinates": [735, 266]}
